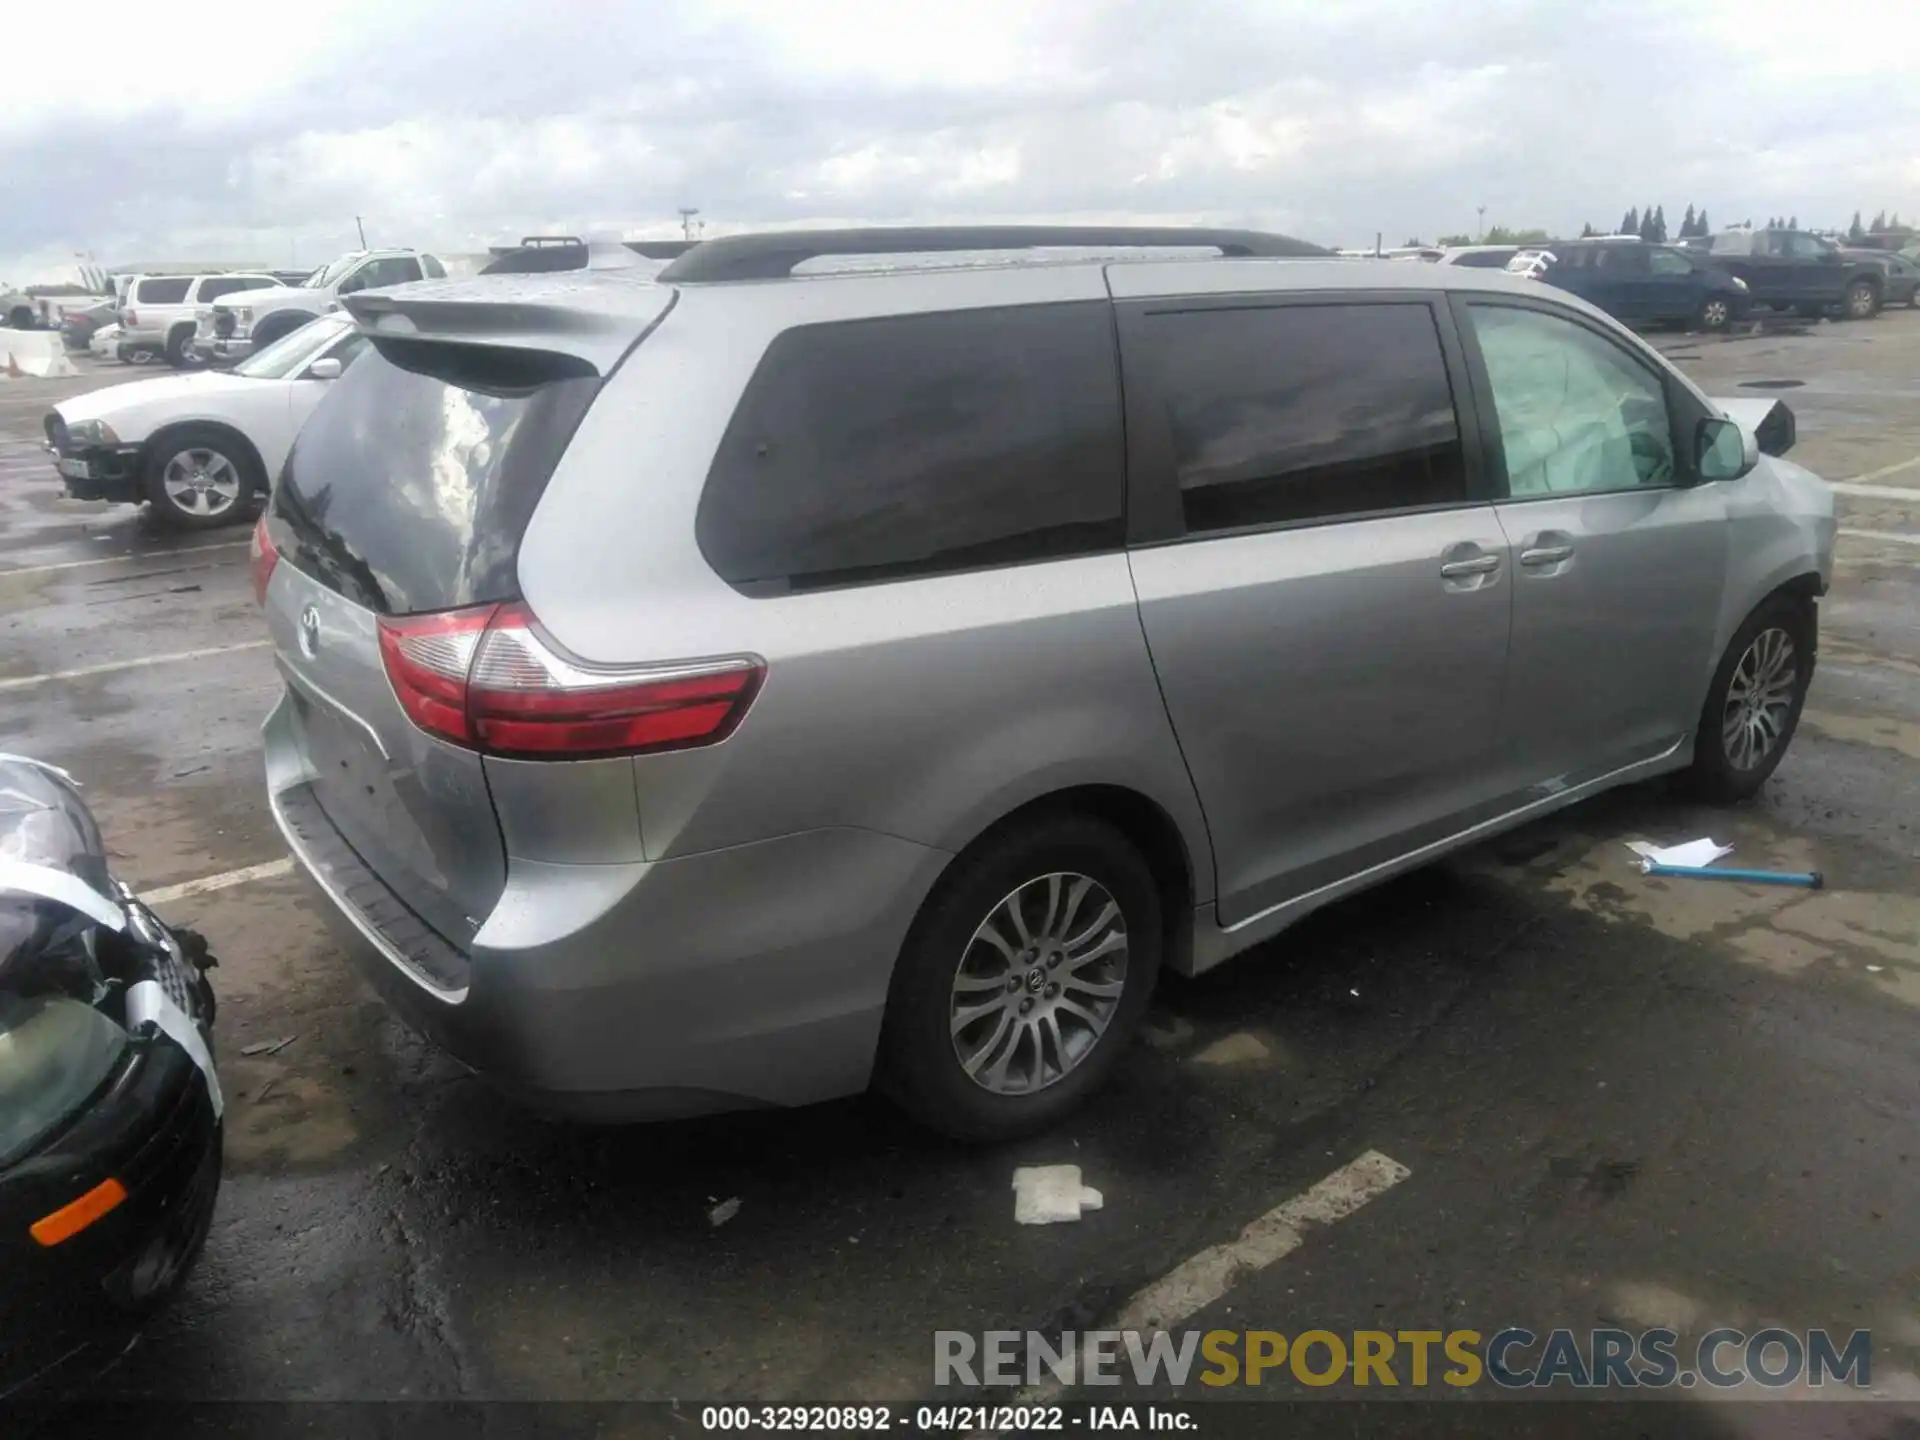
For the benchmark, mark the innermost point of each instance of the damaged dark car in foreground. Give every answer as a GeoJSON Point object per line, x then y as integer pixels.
{"type": "Point", "coordinates": [110, 1108]}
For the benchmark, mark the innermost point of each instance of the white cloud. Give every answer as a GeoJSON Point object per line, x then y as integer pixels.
{"type": "Point", "coordinates": [453, 125]}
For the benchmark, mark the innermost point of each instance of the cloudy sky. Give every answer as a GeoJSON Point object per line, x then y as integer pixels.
{"type": "Point", "coordinates": [258, 129]}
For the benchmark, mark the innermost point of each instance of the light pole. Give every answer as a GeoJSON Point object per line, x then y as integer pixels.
{"type": "Point", "coordinates": [1481, 211]}
{"type": "Point", "coordinates": [687, 212]}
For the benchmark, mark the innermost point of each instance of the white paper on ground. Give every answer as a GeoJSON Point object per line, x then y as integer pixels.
{"type": "Point", "coordinates": [147, 1001]}
{"type": "Point", "coordinates": [1693, 854]}
{"type": "Point", "coordinates": [1049, 1194]}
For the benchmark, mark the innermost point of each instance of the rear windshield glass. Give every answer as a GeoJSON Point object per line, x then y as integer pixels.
{"type": "Point", "coordinates": [411, 486]}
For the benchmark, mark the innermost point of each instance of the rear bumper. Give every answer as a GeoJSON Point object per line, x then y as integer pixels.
{"type": "Point", "coordinates": [752, 976]}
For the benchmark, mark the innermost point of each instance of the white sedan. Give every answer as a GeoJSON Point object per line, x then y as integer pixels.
{"type": "Point", "coordinates": [200, 446]}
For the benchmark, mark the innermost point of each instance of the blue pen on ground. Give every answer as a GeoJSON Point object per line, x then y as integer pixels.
{"type": "Point", "coordinates": [1806, 879]}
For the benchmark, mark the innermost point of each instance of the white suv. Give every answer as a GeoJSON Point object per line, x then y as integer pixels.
{"type": "Point", "coordinates": [225, 332]}
{"type": "Point", "coordinates": [157, 311]}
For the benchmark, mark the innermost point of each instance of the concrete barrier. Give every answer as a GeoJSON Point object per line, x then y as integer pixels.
{"type": "Point", "coordinates": [33, 354]}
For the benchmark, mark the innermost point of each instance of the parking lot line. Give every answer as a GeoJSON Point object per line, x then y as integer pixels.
{"type": "Point", "coordinates": [1874, 492]}
{"type": "Point", "coordinates": [145, 555]}
{"type": "Point", "coordinates": [268, 870]}
{"type": "Point", "coordinates": [1897, 536]}
{"type": "Point", "coordinates": [27, 682]}
{"type": "Point", "coordinates": [1198, 1282]}
{"type": "Point", "coordinates": [1194, 1284]}
{"type": "Point", "coordinates": [1898, 467]}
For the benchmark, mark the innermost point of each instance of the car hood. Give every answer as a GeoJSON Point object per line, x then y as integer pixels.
{"type": "Point", "coordinates": [276, 295]}
{"type": "Point", "coordinates": [164, 393]}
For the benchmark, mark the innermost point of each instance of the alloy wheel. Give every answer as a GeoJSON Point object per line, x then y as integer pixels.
{"type": "Point", "coordinates": [1038, 984]}
{"type": "Point", "coordinates": [1759, 699]}
{"type": "Point", "coordinates": [201, 483]}
{"type": "Point", "coordinates": [1714, 314]}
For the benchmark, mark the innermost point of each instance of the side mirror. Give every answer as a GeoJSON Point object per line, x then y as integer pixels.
{"type": "Point", "coordinates": [327, 369]}
{"type": "Point", "coordinates": [1723, 450]}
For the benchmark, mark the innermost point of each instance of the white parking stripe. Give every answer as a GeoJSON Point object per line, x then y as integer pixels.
{"type": "Point", "coordinates": [144, 555]}
{"type": "Point", "coordinates": [1885, 470]}
{"type": "Point", "coordinates": [1896, 536]}
{"type": "Point", "coordinates": [1194, 1284]}
{"type": "Point", "coordinates": [27, 682]}
{"type": "Point", "coordinates": [270, 870]}
{"type": "Point", "coordinates": [1874, 492]}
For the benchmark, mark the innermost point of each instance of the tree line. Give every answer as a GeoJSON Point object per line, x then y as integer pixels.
{"type": "Point", "coordinates": [1651, 224]}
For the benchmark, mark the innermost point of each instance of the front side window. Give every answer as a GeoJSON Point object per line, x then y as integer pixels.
{"type": "Point", "coordinates": [1576, 414]}
{"type": "Point", "coordinates": [1670, 262]}
{"type": "Point", "coordinates": [1807, 247]}
{"type": "Point", "coordinates": [388, 270]}
{"type": "Point", "coordinates": [1733, 242]}
{"type": "Point", "coordinates": [213, 288]}
{"type": "Point", "coordinates": [880, 449]}
{"type": "Point", "coordinates": [1301, 413]}
{"type": "Point", "coordinates": [435, 270]}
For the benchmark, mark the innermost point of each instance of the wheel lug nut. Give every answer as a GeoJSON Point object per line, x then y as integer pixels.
{"type": "Point", "coordinates": [1013, 983]}
{"type": "Point", "coordinates": [1026, 1005]}
{"type": "Point", "coordinates": [1053, 962]}
{"type": "Point", "coordinates": [1052, 990]}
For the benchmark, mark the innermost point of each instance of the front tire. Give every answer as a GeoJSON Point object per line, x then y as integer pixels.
{"type": "Point", "coordinates": [199, 477]}
{"type": "Point", "coordinates": [1861, 302]}
{"type": "Point", "coordinates": [1715, 314]}
{"type": "Point", "coordinates": [1754, 701]}
{"type": "Point", "coordinates": [180, 348]}
{"type": "Point", "coordinates": [1022, 980]}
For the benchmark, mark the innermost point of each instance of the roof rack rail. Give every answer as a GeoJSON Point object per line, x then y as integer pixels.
{"type": "Point", "coordinates": [774, 254]}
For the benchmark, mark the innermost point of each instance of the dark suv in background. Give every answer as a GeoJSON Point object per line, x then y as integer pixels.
{"type": "Point", "coordinates": [1795, 270]}
{"type": "Point", "coordinates": [1651, 284]}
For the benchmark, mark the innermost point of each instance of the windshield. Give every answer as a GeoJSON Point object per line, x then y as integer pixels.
{"type": "Point", "coordinates": [287, 355]}
{"type": "Point", "coordinates": [329, 274]}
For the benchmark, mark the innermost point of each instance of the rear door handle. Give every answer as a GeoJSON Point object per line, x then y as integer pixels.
{"type": "Point", "coordinates": [1546, 555]}
{"type": "Point", "coordinates": [1479, 565]}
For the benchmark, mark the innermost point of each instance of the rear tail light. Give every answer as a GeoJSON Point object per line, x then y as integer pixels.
{"type": "Point", "coordinates": [484, 678]}
{"type": "Point", "coordinates": [128, 318]}
{"type": "Point", "coordinates": [261, 558]}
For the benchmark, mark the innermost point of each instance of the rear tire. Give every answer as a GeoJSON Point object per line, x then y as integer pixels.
{"type": "Point", "coordinates": [278, 327]}
{"type": "Point", "coordinates": [1053, 1008]}
{"type": "Point", "coordinates": [1861, 302]}
{"type": "Point", "coordinates": [199, 477]}
{"type": "Point", "coordinates": [1753, 703]}
{"type": "Point", "coordinates": [1715, 314]}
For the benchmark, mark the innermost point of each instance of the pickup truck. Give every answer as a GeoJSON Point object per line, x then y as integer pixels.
{"type": "Point", "coordinates": [237, 327]}
{"type": "Point", "coordinates": [1794, 270]}
{"type": "Point", "coordinates": [157, 311]}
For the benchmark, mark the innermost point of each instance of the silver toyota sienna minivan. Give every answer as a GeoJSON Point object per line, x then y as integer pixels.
{"type": "Point", "coordinates": [862, 657]}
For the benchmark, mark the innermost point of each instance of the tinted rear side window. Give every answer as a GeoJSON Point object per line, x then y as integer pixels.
{"type": "Point", "coordinates": [412, 484]}
{"type": "Point", "coordinates": [165, 290]}
{"type": "Point", "coordinates": [1306, 412]}
{"type": "Point", "coordinates": [916, 444]}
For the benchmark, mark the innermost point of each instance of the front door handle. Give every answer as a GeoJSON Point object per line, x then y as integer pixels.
{"type": "Point", "coordinates": [1479, 565]}
{"type": "Point", "coordinates": [1546, 555]}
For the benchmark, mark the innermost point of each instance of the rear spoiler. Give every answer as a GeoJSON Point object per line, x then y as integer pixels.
{"type": "Point", "coordinates": [592, 316]}
{"type": "Point", "coordinates": [1770, 422]}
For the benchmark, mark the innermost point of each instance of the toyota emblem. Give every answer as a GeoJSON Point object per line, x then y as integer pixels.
{"type": "Point", "coordinates": [310, 631]}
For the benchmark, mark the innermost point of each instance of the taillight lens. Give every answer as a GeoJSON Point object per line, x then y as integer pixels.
{"type": "Point", "coordinates": [128, 318]}
{"type": "Point", "coordinates": [261, 558]}
{"type": "Point", "coordinates": [485, 679]}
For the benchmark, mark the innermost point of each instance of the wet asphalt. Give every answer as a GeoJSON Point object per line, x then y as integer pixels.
{"type": "Point", "coordinates": [1621, 1101]}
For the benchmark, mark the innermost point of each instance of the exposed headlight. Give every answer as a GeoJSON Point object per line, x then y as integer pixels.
{"type": "Point", "coordinates": [92, 432]}
{"type": "Point", "coordinates": [1738, 283]}
{"type": "Point", "coordinates": [243, 315]}
{"type": "Point", "coordinates": [54, 1053]}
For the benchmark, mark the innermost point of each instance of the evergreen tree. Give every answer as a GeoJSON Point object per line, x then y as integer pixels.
{"type": "Point", "coordinates": [1686, 224]}
{"type": "Point", "coordinates": [1793, 222]}
{"type": "Point", "coordinates": [1586, 230]}
{"type": "Point", "coordinates": [1630, 223]}
{"type": "Point", "coordinates": [1856, 232]}
{"type": "Point", "coordinates": [1879, 223]}
{"type": "Point", "coordinates": [1660, 223]}
{"type": "Point", "coordinates": [1700, 225]}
